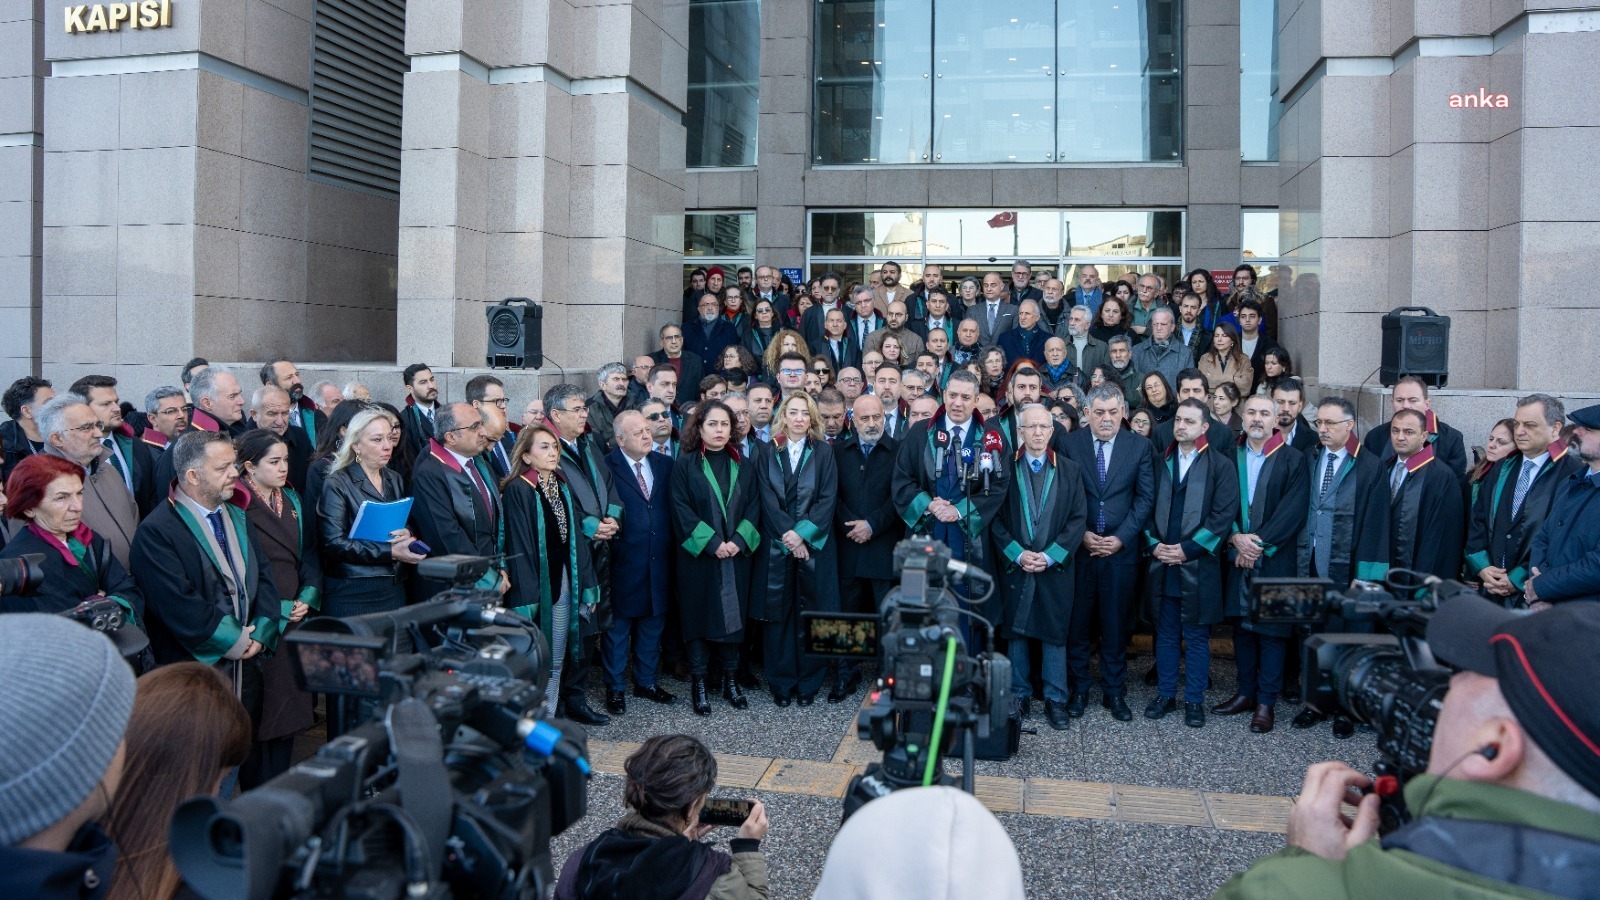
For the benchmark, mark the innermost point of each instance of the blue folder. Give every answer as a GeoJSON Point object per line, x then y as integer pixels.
{"type": "Point", "coordinates": [376, 521]}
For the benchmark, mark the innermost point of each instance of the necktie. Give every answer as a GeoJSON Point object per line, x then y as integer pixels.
{"type": "Point", "coordinates": [866, 449]}
{"type": "Point", "coordinates": [1037, 465]}
{"type": "Point", "coordinates": [955, 439]}
{"type": "Point", "coordinates": [638, 471]}
{"type": "Point", "coordinates": [1396, 478]}
{"type": "Point", "coordinates": [992, 308]}
{"type": "Point", "coordinates": [116, 461]}
{"type": "Point", "coordinates": [500, 454]}
{"type": "Point", "coordinates": [483, 489]}
{"type": "Point", "coordinates": [1100, 468]}
{"type": "Point", "coordinates": [221, 534]}
{"type": "Point", "coordinates": [1327, 476]}
{"type": "Point", "coordinates": [1523, 481]}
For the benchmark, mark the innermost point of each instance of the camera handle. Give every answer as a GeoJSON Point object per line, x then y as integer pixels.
{"type": "Point", "coordinates": [930, 771]}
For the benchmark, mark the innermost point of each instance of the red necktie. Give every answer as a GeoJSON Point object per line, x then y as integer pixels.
{"type": "Point", "coordinates": [638, 471]}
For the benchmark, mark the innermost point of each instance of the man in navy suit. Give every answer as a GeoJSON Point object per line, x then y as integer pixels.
{"type": "Point", "coordinates": [641, 563]}
{"type": "Point", "coordinates": [1119, 478]}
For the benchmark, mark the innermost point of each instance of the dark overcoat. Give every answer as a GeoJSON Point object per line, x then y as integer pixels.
{"type": "Point", "coordinates": [864, 494]}
{"type": "Point", "coordinates": [1277, 515]}
{"type": "Point", "coordinates": [1039, 605]}
{"type": "Point", "coordinates": [714, 594]}
{"type": "Point", "coordinates": [1210, 505]}
{"type": "Point", "coordinates": [802, 500]}
{"type": "Point", "coordinates": [1494, 535]}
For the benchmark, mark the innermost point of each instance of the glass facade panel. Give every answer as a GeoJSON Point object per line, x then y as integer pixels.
{"type": "Point", "coordinates": [994, 81]}
{"type": "Point", "coordinates": [724, 74]}
{"type": "Point", "coordinates": [874, 81]}
{"type": "Point", "coordinates": [1026, 234]}
{"type": "Point", "coordinates": [888, 235]}
{"type": "Point", "coordinates": [719, 235]}
{"type": "Point", "coordinates": [1260, 230]}
{"type": "Point", "coordinates": [1259, 109]}
{"type": "Point", "coordinates": [1103, 235]}
{"type": "Point", "coordinates": [985, 81]}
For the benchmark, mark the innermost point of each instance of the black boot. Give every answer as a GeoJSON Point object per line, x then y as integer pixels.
{"type": "Point", "coordinates": [697, 695]}
{"type": "Point", "coordinates": [734, 694]}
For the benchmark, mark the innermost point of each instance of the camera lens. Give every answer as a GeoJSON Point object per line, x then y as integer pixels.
{"type": "Point", "coordinates": [1376, 686]}
{"type": "Point", "coordinates": [21, 575]}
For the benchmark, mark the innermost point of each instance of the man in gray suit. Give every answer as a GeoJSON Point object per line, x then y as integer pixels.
{"type": "Point", "coordinates": [994, 313]}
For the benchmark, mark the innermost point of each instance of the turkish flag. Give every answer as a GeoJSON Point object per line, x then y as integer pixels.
{"type": "Point", "coordinates": [1003, 220]}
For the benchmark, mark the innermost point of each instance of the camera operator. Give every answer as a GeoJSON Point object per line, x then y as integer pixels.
{"type": "Point", "coordinates": [61, 753]}
{"type": "Point", "coordinates": [655, 850]}
{"type": "Point", "coordinates": [1510, 804]}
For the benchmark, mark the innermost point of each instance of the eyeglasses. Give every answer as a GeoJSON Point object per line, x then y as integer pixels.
{"type": "Point", "coordinates": [475, 426]}
{"type": "Point", "coordinates": [85, 428]}
{"type": "Point", "coordinates": [672, 337]}
{"type": "Point", "coordinates": [655, 417]}
{"type": "Point", "coordinates": [502, 403]}
{"type": "Point", "coordinates": [848, 380]}
{"type": "Point", "coordinates": [575, 409]}
{"type": "Point", "coordinates": [791, 371]}
{"type": "Point", "coordinates": [1038, 426]}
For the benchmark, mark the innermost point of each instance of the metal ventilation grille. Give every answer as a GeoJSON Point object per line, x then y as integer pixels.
{"type": "Point", "coordinates": [358, 63]}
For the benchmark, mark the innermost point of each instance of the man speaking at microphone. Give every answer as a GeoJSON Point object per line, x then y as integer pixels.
{"type": "Point", "coordinates": [940, 483]}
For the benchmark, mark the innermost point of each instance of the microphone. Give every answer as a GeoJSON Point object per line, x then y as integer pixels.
{"type": "Point", "coordinates": [991, 450]}
{"type": "Point", "coordinates": [966, 461]}
{"type": "Point", "coordinates": [986, 466]}
{"type": "Point", "coordinates": [941, 442]}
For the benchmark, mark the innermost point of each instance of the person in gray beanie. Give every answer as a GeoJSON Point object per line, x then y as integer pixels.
{"type": "Point", "coordinates": [66, 703]}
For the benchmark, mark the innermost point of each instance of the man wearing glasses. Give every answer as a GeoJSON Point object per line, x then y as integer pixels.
{"type": "Point", "coordinates": [456, 507]}
{"type": "Point", "coordinates": [811, 323]}
{"type": "Point", "coordinates": [659, 420]}
{"type": "Point", "coordinates": [72, 431]}
{"type": "Point", "coordinates": [487, 394]}
{"type": "Point", "coordinates": [688, 366]}
{"type": "Point", "coordinates": [792, 372]}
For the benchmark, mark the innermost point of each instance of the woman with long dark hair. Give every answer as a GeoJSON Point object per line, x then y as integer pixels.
{"type": "Point", "coordinates": [1212, 308]}
{"type": "Point", "coordinates": [46, 493]}
{"type": "Point", "coordinates": [738, 367]}
{"type": "Point", "coordinates": [1501, 444]}
{"type": "Point", "coordinates": [362, 576]}
{"type": "Point", "coordinates": [797, 566]}
{"type": "Point", "coordinates": [714, 511]}
{"type": "Point", "coordinates": [276, 516]}
{"type": "Point", "coordinates": [1225, 362]}
{"type": "Point", "coordinates": [545, 565]}
{"type": "Point", "coordinates": [1276, 365]}
{"type": "Point", "coordinates": [187, 732]}
{"type": "Point", "coordinates": [765, 325]}
{"type": "Point", "coordinates": [1113, 319]}
{"type": "Point", "coordinates": [1158, 398]}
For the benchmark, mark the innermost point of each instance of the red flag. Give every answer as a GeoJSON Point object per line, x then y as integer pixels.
{"type": "Point", "coordinates": [1003, 220]}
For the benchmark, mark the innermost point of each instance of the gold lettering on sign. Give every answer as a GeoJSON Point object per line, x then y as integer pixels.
{"type": "Point", "coordinates": [86, 18]}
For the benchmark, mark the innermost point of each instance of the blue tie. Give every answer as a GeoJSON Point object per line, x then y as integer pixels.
{"type": "Point", "coordinates": [866, 449]}
{"type": "Point", "coordinates": [221, 534]}
{"type": "Point", "coordinates": [1037, 465]}
{"type": "Point", "coordinates": [1100, 467]}
{"type": "Point", "coordinates": [1523, 482]}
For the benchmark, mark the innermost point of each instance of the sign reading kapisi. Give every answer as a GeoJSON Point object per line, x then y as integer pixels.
{"type": "Point", "coordinates": [116, 16]}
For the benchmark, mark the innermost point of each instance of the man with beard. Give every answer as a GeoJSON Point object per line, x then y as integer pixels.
{"type": "Point", "coordinates": [1411, 392]}
{"type": "Point", "coordinates": [1290, 395]}
{"type": "Point", "coordinates": [1566, 552]}
{"type": "Point", "coordinates": [1273, 495]}
{"type": "Point", "coordinates": [282, 373]}
{"type": "Point", "coordinates": [888, 289]}
{"type": "Point", "coordinates": [710, 333]}
{"type": "Point", "coordinates": [422, 402]}
{"type": "Point", "coordinates": [932, 282]}
{"type": "Point", "coordinates": [865, 521]}
{"type": "Point", "coordinates": [1425, 520]}
{"type": "Point", "coordinates": [1084, 350]}
{"type": "Point", "coordinates": [132, 458]}
{"type": "Point", "coordinates": [1022, 283]}
{"type": "Point", "coordinates": [1119, 356]}
{"type": "Point", "coordinates": [1053, 309]}
{"type": "Point", "coordinates": [897, 325]}
{"type": "Point", "coordinates": [1189, 332]}
{"type": "Point", "coordinates": [1193, 385]}
{"type": "Point", "coordinates": [1026, 388]}
{"type": "Point", "coordinates": [1509, 514]}
{"type": "Point", "coordinates": [886, 387]}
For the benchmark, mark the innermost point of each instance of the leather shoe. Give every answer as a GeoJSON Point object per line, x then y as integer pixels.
{"type": "Point", "coordinates": [616, 702]}
{"type": "Point", "coordinates": [783, 699]}
{"type": "Point", "coordinates": [1343, 728]}
{"type": "Point", "coordinates": [1194, 715]}
{"type": "Point", "coordinates": [1076, 704]}
{"type": "Point", "coordinates": [1235, 705]}
{"type": "Point", "coordinates": [697, 695]}
{"type": "Point", "coordinates": [578, 711]}
{"type": "Point", "coordinates": [654, 694]}
{"type": "Point", "coordinates": [844, 687]}
{"type": "Point", "coordinates": [734, 694]}
{"type": "Point", "coordinates": [1056, 714]}
{"type": "Point", "coordinates": [1024, 707]}
{"type": "Point", "coordinates": [1308, 718]}
{"type": "Point", "coordinates": [1261, 722]}
{"type": "Point", "coordinates": [1160, 706]}
{"type": "Point", "coordinates": [1118, 706]}
{"type": "Point", "coordinates": [806, 699]}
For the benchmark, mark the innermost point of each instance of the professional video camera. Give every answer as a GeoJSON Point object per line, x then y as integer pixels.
{"type": "Point", "coordinates": [24, 575]}
{"type": "Point", "coordinates": [1388, 681]}
{"type": "Point", "coordinates": [449, 787]}
{"type": "Point", "coordinates": [930, 692]}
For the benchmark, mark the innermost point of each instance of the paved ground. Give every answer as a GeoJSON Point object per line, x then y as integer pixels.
{"type": "Point", "coordinates": [1085, 807]}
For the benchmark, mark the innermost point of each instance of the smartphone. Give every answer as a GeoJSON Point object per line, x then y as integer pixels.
{"type": "Point", "coordinates": [419, 548]}
{"type": "Point", "coordinates": [722, 811]}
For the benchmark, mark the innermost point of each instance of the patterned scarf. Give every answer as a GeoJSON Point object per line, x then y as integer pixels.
{"type": "Point", "coordinates": [550, 487]}
{"type": "Point", "coordinates": [273, 497]}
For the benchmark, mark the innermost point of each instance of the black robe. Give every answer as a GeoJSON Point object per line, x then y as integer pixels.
{"type": "Point", "coordinates": [864, 494]}
{"type": "Point", "coordinates": [1360, 546]}
{"type": "Point", "coordinates": [1210, 497]}
{"type": "Point", "coordinates": [537, 560]}
{"type": "Point", "coordinates": [714, 594]}
{"type": "Point", "coordinates": [1448, 445]}
{"type": "Point", "coordinates": [803, 502]}
{"type": "Point", "coordinates": [1425, 518]}
{"type": "Point", "coordinates": [594, 496]}
{"type": "Point", "coordinates": [67, 584]}
{"type": "Point", "coordinates": [1494, 536]}
{"type": "Point", "coordinates": [1276, 515]}
{"type": "Point", "coordinates": [451, 515]}
{"type": "Point", "coordinates": [1039, 605]}
{"type": "Point", "coordinates": [285, 709]}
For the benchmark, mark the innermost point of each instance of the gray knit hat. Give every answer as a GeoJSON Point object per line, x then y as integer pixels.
{"type": "Point", "coordinates": [64, 705]}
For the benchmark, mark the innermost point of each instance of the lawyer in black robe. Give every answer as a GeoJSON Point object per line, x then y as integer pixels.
{"type": "Point", "coordinates": [1347, 527]}
{"type": "Point", "coordinates": [1449, 447]}
{"type": "Point", "coordinates": [75, 569]}
{"type": "Point", "coordinates": [454, 513]}
{"type": "Point", "coordinates": [1497, 537]}
{"type": "Point", "coordinates": [1425, 518]}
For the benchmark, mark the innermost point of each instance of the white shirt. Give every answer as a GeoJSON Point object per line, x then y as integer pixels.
{"type": "Point", "coordinates": [1105, 447]}
{"type": "Point", "coordinates": [665, 447]}
{"type": "Point", "coordinates": [1538, 465]}
{"type": "Point", "coordinates": [1247, 346]}
{"type": "Point", "coordinates": [1185, 460]}
{"type": "Point", "coordinates": [795, 449]}
{"type": "Point", "coordinates": [642, 465]}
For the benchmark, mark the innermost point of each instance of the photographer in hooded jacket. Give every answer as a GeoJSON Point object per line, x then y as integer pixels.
{"type": "Point", "coordinates": [1510, 803]}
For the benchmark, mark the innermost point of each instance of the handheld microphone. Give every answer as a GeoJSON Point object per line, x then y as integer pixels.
{"type": "Point", "coordinates": [986, 466]}
{"type": "Point", "coordinates": [941, 443]}
{"type": "Point", "coordinates": [966, 461]}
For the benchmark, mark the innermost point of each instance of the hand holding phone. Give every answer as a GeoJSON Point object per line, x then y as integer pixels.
{"type": "Point", "coordinates": [725, 811]}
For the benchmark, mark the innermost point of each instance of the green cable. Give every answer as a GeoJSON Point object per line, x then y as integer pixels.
{"type": "Point", "coordinates": [938, 715]}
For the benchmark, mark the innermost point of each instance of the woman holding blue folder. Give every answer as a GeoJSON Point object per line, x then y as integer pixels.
{"type": "Point", "coordinates": [362, 576]}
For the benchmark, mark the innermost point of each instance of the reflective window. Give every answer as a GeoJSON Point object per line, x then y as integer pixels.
{"type": "Point", "coordinates": [981, 81]}
{"type": "Point", "coordinates": [1260, 230]}
{"type": "Point", "coordinates": [1102, 235]}
{"type": "Point", "coordinates": [719, 235]}
{"type": "Point", "coordinates": [1027, 233]}
{"type": "Point", "coordinates": [1259, 109]}
{"type": "Point", "coordinates": [724, 75]}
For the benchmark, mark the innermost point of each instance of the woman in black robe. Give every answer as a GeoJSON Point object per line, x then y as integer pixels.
{"type": "Point", "coordinates": [545, 566]}
{"type": "Point", "coordinates": [714, 512]}
{"type": "Point", "coordinates": [797, 566]}
{"type": "Point", "coordinates": [46, 493]}
{"type": "Point", "coordinates": [276, 518]}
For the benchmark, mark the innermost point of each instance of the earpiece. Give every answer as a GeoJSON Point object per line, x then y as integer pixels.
{"type": "Point", "coordinates": [1489, 751]}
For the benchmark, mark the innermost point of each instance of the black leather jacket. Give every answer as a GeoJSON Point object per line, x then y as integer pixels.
{"type": "Point", "coordinates": [342, 495]}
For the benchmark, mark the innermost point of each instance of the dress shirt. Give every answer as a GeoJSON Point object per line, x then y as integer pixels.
{"type": "Point", "coordinates": [639, 466]}
{"type": "Point", "coordinates": [1185, 460]}
{"type": "Point", "coordinates": [1253, 462]}
{"type": "Point", "coordinates": [795, 449]}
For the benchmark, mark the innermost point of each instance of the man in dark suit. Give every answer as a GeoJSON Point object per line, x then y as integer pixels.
{"type": "Point", "coordinates": [1516, 497]}
{"type": "Point", "coordinates": [864, 320]}
{"type": "Point", "coordinates": [994, 312]}
{"type": "Point", "coordinates": [422, 402]}
{"type": "Point", "coordinates": [1411, 392]}
{"type": "Point", "coordinates": [487, 394]}
{"type": "Point", "coordinates": [865, 521]}
{"type": "Point", "coordinates": [707, 335]}
{"type": "Point", "coordinates": [1426, 524]}
{"type": "Point", "coordinates": [1119, 482]}
{"type": "Point", "coordinates": [307, 417]}
{"type": "Point", "coordinates": [1566, 551]}
{"type": "Point", "coordinates": [456, 507]}
{"type": "Point", "coordinates": [641, 564]}
{"type": "Point", "coordinates": [1021, 287]}
{"type": "Point", "coordinates": [811, 323]}
{"type": "Point", "coordinates": [599, 510]}
{"type": "Point", "coordinates": [131, 457]}
{"type": "Point", "coordinates": [688, 366]}
{"type": "Point", "coordinates": [1290, 395]}
{"type": "Point", "coordinates": [21, 434]}
{"type": "Point", "coordinates": [836, 345]}
{"type": "Point", "coordinates": [886, 387]}
{"type": "Point", "coordinates": [663, 435]}
{"type": "Point", "coordinates": [271, 410]}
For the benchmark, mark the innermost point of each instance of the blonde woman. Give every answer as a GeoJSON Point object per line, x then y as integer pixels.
{"type": "Point", "coordinates": [362, 576]}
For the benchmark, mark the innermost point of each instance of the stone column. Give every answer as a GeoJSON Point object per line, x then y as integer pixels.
{"type": "Point", "coordinates": [1211, 133]}
{"type": "Point", "coordinates": [22, 71]}
{"type": "Point", "coordinates": [542, 157]}
{"type": "Point", "coordinates": [783, 139]}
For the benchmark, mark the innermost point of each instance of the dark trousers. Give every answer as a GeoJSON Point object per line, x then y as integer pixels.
{"type": "Point", "coordinates": [642, 637]}
{"type": "Point", "coordinates": [788, 670]}
{"type": "Point", "coordinates": [1260, 661]}
{"type": "Point", "coordinates": [1105, 589]}
{"type": "Point", "coordinates": [580, 661]}
{"type": "Point", "coordinates": [700, 656]}
{"type": "Point", "coordinates": [863, 595]}
{"type": "Point", "coordinates": [1191, 643]}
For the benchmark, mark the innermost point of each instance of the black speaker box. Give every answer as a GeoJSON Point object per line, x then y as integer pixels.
{"type": "Point", "coordinates": [516, 334]}
{"type": "Point", "coordinates": [1416, 341]}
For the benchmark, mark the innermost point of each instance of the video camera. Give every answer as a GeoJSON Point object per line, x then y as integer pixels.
{"type": "Point", "coordinates": [930, 691]}
{"type": "Point", "coordinates": [1389, 681]}
{"type": "Point", "coordinates": [23, 575]}
{"type": "Point", "coordinates": [449, 786]}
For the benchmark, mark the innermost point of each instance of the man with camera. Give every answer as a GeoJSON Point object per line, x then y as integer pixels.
{"type": "Point", "coordinates": [1510, 803]}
